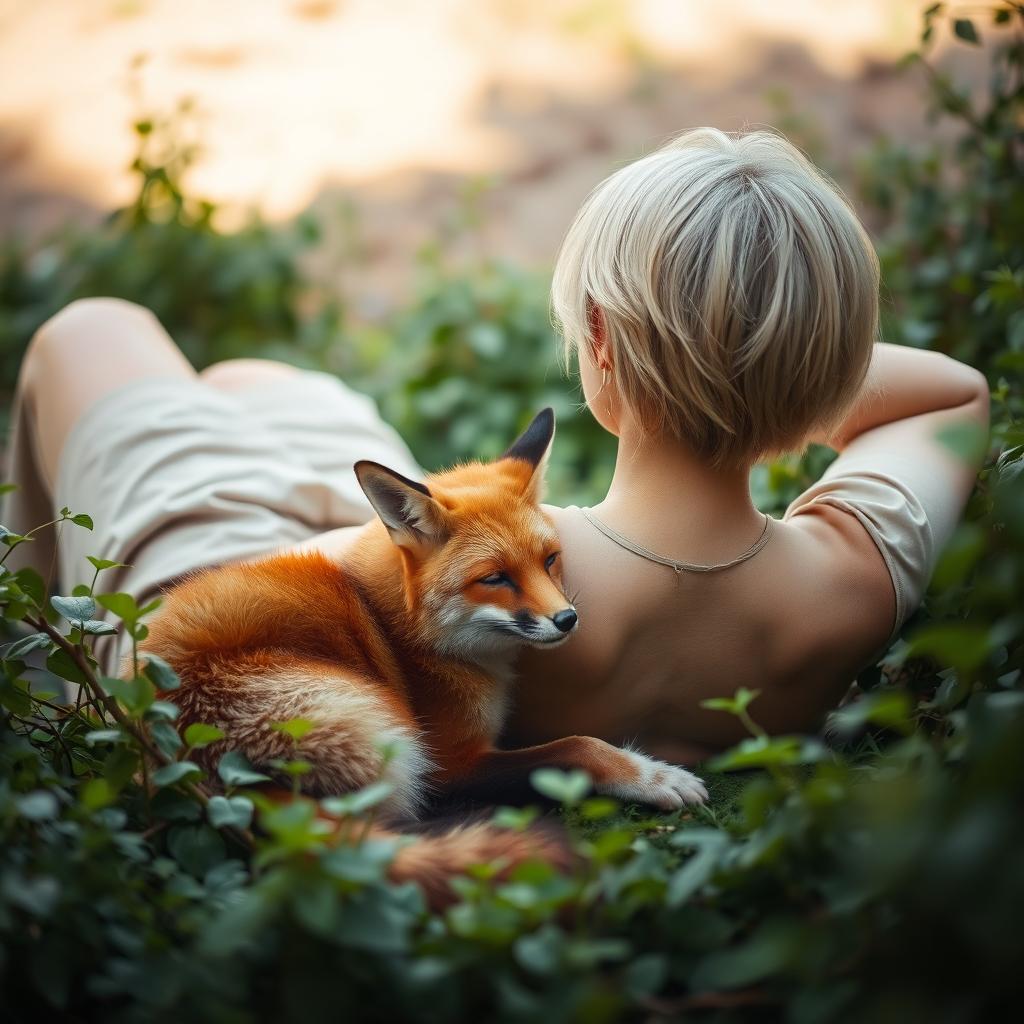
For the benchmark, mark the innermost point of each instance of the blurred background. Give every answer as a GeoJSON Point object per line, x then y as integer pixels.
{"type": "Point", "coordinates": [397, 111]}
{"type": "Point", "coordinates": [379, 188]}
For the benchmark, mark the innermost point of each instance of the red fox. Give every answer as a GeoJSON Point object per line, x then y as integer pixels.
{"type": "Point", "coordinates": [404, 646]}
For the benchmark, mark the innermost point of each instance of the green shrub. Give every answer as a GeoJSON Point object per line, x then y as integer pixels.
{"type": "Point", "coordinates": [219, 295]}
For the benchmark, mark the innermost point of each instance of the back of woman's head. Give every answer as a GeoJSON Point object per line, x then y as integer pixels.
{"type": "Point", "coordinates": [738, 291]}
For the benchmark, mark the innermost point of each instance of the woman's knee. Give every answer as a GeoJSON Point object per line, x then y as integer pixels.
{"type": "Point", "coordinates": [243, 374]}
{"type": "Point", "coordinates": [76, 327]}
{"type": "Point", "coordinates": [102, 338]}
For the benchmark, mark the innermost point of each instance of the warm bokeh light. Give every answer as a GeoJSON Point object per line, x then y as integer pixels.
{"type": "Point", "coordinates": [390, 106]}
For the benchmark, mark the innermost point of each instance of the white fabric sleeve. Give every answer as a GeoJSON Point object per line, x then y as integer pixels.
{"type": "Point", "coordinates": [905, 508]}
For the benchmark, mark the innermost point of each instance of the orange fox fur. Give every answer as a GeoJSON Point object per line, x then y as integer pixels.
{"type": "Point", "coordinates": [401, 653]}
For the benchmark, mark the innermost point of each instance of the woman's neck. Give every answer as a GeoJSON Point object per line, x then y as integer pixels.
{"type": "Point", "coordinates": [665, 497]}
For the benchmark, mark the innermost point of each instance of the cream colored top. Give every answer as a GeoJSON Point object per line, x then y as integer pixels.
{"type": "Point", "coordinates": [906, 514]}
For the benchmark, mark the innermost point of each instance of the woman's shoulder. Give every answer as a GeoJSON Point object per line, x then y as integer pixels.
{"type": "Point", "coordinates": [873, 512]}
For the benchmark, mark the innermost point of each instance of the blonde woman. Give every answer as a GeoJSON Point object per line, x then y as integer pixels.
{"type": "Point", "coordinates": [721, 300]}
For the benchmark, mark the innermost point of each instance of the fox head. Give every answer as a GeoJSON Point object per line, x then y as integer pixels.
{"type": "Point", "coordinates": [480, 559]}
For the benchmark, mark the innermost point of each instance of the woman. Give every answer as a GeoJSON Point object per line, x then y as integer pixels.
{"type": "Point", "coordinates": [721, 299]}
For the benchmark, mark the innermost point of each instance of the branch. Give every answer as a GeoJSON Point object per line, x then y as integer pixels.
{"type": "Point", "coordinates": [196, 791]}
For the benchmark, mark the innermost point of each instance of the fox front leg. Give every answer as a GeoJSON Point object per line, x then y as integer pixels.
{"type": "Point", "coordinates": [624, 774]}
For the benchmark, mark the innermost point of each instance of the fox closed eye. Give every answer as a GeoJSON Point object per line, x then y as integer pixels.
{"type": "Point", "coordinates": [497, 579]}
{"type": "Point", "coordinates": [551, 559]}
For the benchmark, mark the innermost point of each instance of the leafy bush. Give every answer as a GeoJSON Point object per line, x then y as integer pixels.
{"type": "Point", "coordinates": [479, 357]}
{"type": "Point", "coordinates": [873, 877]}
{"type": "Point", "coordinates": [219, 295]}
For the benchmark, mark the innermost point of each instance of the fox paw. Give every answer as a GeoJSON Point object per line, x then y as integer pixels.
{"type": "Point", "coordinates": [659, 784]}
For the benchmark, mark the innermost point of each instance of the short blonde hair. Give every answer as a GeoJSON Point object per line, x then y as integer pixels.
{"type": "Point", "coordinates": [738, 288]}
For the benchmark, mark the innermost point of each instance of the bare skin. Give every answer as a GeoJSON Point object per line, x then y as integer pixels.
{"type": "Point", "coordinates": [797, 621]}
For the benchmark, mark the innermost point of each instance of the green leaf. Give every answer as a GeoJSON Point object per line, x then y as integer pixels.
{"type": "Point", "coordinates": [710, 844]}
{"type": "Point", "coordinates": [159, 673]}
{"type": "Point", "coordinates": [359, 801]}
{"type": "Point", "coordinates": [119, 766]}
{"type": "Point", "coordinates": [96, 793]}
{"type": "Point", "coordinates": [106, 736]}
{"type": "Point", "coordinates": [294, 768]}
{"type": "Point", "coordinates": [199, 735]}
{"type": "Point", "coordinates": [174, 772]}
{"type": "Point", "coordinates": [165, 736]}
{"type": "Point", "coordinates": [97, 627]}
{"type": "Point", "coordinates": [646, 975]}
{"type": "Point", "coordinates": [735, 705]}
{"type": "Point", "coordinates": [362, 864]}
{"type": "Point", "coordinates": [163, 709]}
{"type": "Point", "coordinates": [105, 563]}
{"type": "Point", "coordinates": [26, 645]}
{"type": "Point", "coordinates": [598, 808]}
{"type": "Point", "coordinates": [60, 663]}
{"type": "Point", "coordinates": [235, 811]}
{"type": "Point", "coordinates": [14, 695]}
{"type": "Point", "coordinates": [296, 728]}
{"type": "Point", "coordinates": [125, 607]}
{"type": "Point", "coordinates": [135, 694]}
{"type": "Point", "coordinates": [74, 609]}
{"type": "Point", "coordinates": [379, 920]}
{"type": "Point", "coordinates": [198, 848]}
{"type": "Point", "coordinates": [82, 520]}
{"type": "Point", "coordinates": [568, 788]}
{"type": "Point", "coordinates": [39, 805]}
{"type": "Point", "coordinates": [889, 709]}
{"type": "Point", "coordinates": [762, 752]}
{"type": "Point", "coordinates": [964, 29]}
{"type": "Point", "coordinates": [541, 952]}
{"type": "Point", "coordinates": [963, 646]}
{"type": "Point", "coordinates": [235, 770]}
{"type": "Point", "coordinates": [32, 583]}
{"type": "Point", "coordinates": [517, 818]}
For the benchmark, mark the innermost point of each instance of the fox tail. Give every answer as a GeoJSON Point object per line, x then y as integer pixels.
{"type": "Point", "coordinates": [431, 860]}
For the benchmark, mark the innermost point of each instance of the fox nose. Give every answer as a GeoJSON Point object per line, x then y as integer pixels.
{"type": "Point", "coordinates": [565, 619]}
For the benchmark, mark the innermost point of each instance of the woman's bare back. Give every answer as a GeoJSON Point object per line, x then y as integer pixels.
{"type": "Point", "coordinates": [796, 621]}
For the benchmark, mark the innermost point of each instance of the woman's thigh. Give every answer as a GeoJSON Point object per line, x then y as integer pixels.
{"type": "Point", "coordinates": [87, 351]}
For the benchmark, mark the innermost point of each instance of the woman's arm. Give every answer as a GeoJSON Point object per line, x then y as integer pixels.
{"type": "Point", "coordinates": [909, 453]}
{"type": "Point", "coordinates": [904, 384]}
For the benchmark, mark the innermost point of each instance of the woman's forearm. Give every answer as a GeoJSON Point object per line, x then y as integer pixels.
{"type": "Point", "coordinates": [904, 382]}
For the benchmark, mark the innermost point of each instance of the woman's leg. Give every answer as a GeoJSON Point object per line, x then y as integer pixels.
{"type": "Point", "coordinates": [85, 352]}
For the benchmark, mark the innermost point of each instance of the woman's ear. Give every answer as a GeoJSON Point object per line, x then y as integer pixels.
{"type": "Point", "coordinates": [597, 341]}
{"type": "Point", "coordinates": [412, 517]}
{"type": "Point", "coordinates": [533, 447]}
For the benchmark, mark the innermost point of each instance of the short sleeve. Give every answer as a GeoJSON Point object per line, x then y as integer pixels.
{"type": "Point", "coordinates": [909, 517]}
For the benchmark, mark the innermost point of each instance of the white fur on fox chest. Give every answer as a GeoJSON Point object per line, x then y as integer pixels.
{"type": "Point", "coordinates": [479, 634]}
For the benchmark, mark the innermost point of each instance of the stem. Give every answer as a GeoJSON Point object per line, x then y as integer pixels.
{"type": "Point", "coordinates": [243, 836]}
{"type": "Point", "coordinates": [52, 522]}
{"type": "Point", "coordinates": [751, 726]}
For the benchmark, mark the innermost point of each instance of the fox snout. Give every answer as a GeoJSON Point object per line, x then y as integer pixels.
{"type": "Point", "coordinates": [545, 630]}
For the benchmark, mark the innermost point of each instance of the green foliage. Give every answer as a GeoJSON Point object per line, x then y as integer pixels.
{"type": "Point", "coordinates": [876, 877]}
{"type": "Point", "coordinates": [479, 357]}
{"type": "Point", "coordinates": [220, 295]}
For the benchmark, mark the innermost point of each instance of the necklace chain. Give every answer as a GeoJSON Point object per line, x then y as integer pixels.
{"type": "Point", "coordinates": [679, 567]}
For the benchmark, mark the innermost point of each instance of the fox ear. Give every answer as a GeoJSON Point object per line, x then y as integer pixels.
{"type": "Point", "coordinates": [412, 517]}
{"type": "Point", "coordinates": [533, 447]}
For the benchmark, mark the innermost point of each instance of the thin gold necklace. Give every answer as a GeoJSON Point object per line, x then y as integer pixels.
{"type": "Point", "coordinates": [680, 567]}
